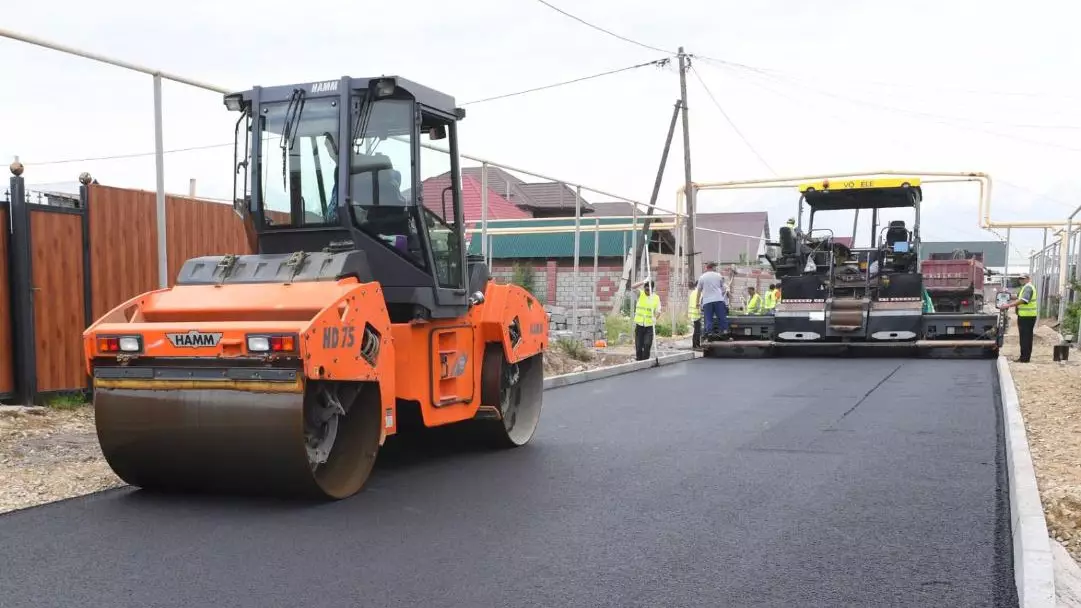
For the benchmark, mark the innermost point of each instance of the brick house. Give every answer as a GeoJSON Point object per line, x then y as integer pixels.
{"type": "Point", "coordinates": [550, 256]}
{"type": "Point", "coordinates": [542, 199]}
{"type": "Point", "coordinates": [749, 228]}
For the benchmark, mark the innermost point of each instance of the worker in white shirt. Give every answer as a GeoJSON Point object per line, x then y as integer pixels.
{"type": "Point", "coordinates": [713, 296]}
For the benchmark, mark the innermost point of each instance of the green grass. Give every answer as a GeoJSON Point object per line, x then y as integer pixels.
{"type": "Point", "coordinates": [616, 325]}
{"type": "Point", "coordinates": [664, 324]}
{"type": "Point", "coordinates": [574, 349]}
{"type": "Point", "coordinates": [66, 402]}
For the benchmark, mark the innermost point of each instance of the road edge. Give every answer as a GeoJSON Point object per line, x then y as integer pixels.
{"type": "Point", "coordinates": [1033, 562]}
{"type": "Point", "coordinates": [615, 370]}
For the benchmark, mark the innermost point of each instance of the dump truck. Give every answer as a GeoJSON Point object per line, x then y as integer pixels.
{"type": "Point", "coordinates": [955, 281]}
{"type": "Point", "coordinates": [355, 316]}
{"type": "Point", "coordinates": [837, 298]}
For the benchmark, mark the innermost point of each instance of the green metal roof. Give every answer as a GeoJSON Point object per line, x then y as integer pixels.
{"type": "Point", "coordinates": [555, 245]}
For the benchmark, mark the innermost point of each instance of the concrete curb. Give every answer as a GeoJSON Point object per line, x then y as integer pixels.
{"type": "Point", "coordinates": [1033, 562]}
{"type": "Point", "coordinates": [1067, 577]}
{"type": "Point", "coordinates": [615, 370]}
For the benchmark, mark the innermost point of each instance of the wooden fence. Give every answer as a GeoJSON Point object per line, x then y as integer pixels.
{"type": "Point", "coordinates": [65, 266]}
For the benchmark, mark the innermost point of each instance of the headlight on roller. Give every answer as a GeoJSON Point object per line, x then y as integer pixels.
{"type": "Point", "coordinates": [274, 343]}
{"type": "Point", "coordinates": [130, 344]}
{"type": "Point", "coordinates": [259, 344]}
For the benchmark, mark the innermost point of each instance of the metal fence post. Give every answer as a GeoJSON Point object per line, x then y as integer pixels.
{"type": "Point", "coordinates": [20, 261]}
{"type": "Point", "coordinates": [159, 160]}
{"type": "Point", "coordinates": [634, 248]}
{"type": "Point", "coordinates": [88, 269]}
{"type": "Point", "coordinates": [88, 266]}
{"type": "Point", "coordinates": [484, 209]}
{"type": "Point", "coordinates": [1006, 262]}
{"type": "Point", "coordinates": [1041, 304]}
{"type": "Point", "coordinates": [577, 251]}
{"type": "Point", "coordinates": [596, 259]}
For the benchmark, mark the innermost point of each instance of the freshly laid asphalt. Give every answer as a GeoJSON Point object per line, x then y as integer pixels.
{"type": "Point", "coordinates": [708, 483]}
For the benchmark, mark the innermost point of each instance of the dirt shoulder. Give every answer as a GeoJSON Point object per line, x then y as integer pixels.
{"type": "Point", "coordinates": [1050, 395]}
{"type": "Point", "coordinates": [49, 454]}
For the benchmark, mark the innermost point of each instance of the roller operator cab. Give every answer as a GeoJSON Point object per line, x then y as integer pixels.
{"type": "Point", "coordinates": [846, 293]}
{"type": "Point", "coordinates": [354, 315]}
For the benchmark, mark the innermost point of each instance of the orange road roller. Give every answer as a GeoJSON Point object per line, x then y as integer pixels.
{"type": "Point", "coordinates": [284, 371]}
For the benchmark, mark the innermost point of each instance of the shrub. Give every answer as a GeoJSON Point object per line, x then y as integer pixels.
{"type": "Point", "coordinates": [1073, 313]}
{"type": "Point", "coordinates": [524, 277]}
{"type": "Point", "coordinates": [617, 325]}
{"type": "Point", "coordinates": [66, 401]}
{"type": "Point", "coordinates": [574, 349]}
{"type": "Point", "coordinates": [664, 324]}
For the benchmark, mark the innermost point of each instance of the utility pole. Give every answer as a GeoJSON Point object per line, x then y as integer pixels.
{"type": "Point", "coordinates": [688, 187]}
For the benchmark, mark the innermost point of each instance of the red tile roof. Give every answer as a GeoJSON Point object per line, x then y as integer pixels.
{"type": "Point", "coordinates": [498, 207]}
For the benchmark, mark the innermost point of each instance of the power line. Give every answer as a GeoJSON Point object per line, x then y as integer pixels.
{"type": "Point", "coordinates": [125, 156]}
{"type": "Point", "coordinates": [601, 29]}
{"type": "Point", "coordinates": [657, 62]}
{"type": "Point", "coordinates": [732, 124]}
{"type": "Point", "coordinates": [891, 84]}
{"type": "Point", "coordinates": [1038, 195]}
{"type": "Point", "coordinates": [927, 114]}
{"type": "Point", "coordinates": [946, 120]}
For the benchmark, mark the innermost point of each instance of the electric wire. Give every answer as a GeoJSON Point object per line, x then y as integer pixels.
{"type": "Point", "coordinates": [944, 120]}
{"type": "Point", "coordinates": [603, 30]}
{"type": "Point", "coordinates": [125, 156]}
{"type": "Point", "coordinates": [892, 84]}
{"type": "Point", "coordinates": [656, 62]}
{"type": "Point", "coordinates": [793, 80]}
{"type": "Point", "coordinates": [732, 124]}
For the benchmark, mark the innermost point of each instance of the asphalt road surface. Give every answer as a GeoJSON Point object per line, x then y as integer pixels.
{"type": "Point", "coordinates": [710, 483]}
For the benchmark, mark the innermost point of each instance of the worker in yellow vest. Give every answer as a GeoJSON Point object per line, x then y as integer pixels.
{"type": "Point", "coordinates": [646, 311]}
{"type": "Point", "coordinates": [1026, 316]}
{"type": "Point", "coordinates": [771, 299]}
{"type": "Point", "coordinates": [694, 315]}
{"type": "Point", "coordinates": [754, 306]}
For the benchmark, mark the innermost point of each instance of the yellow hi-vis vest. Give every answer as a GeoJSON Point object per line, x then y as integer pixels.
{"type": "Point", "coordinates": [693, 312]}
{"type": "Point", "coordinates": [1027, 310]}
{"type": "Point", "coordinates": [771, 299]}
{"type": "Point", "coordinates": [645, 311]}
{"type": "Point", "coordinates": [755, 305]}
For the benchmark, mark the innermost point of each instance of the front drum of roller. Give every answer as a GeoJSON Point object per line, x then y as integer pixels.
{"type": "Point", "coordinates": [242, 442]}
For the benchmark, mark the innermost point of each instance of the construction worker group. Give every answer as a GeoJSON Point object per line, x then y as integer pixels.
{"type": "Point", "coordinates": [710, 301]}
{"type": "Point", "coordinates": [708, 306]}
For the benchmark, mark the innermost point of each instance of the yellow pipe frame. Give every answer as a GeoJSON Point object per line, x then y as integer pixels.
{"type": "Point", "coordinates": [984, 179]}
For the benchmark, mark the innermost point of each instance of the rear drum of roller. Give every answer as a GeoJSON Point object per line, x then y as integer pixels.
{"type": "Point", "coordinates": [321, 443]}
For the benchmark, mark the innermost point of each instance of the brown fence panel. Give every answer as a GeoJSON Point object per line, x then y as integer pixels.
{"type": "Point", "coordinates": [56, 238]}
{"type": "Point", "coordinates": [197, 228]}
{"type": "Point", "coordinates": [123, 257]}
{"type": "Point", "coordinates": [7, 371]}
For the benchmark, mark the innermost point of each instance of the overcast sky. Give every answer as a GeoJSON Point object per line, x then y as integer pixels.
{"type": "Point", "coordinates": [831, 87]}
